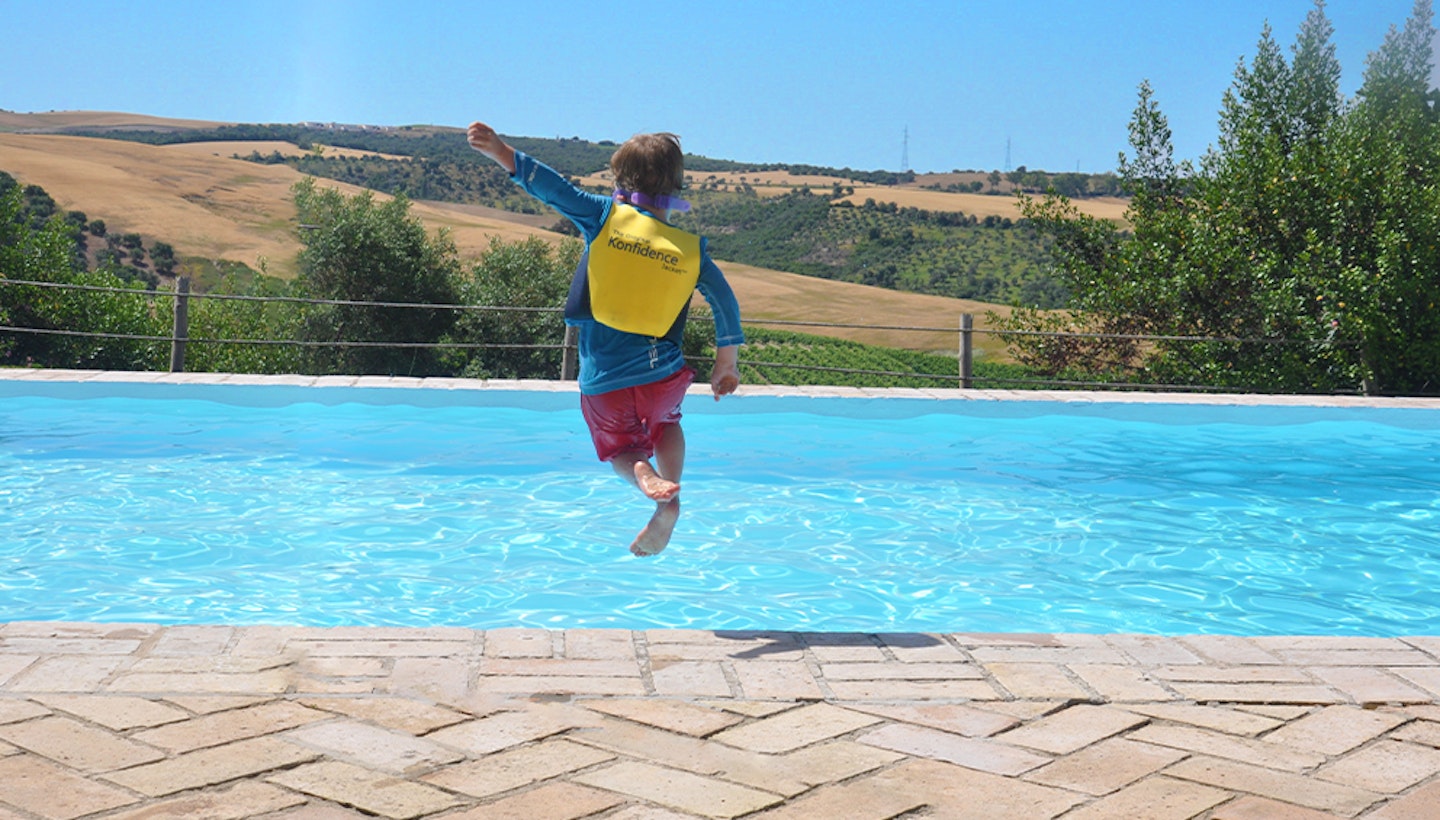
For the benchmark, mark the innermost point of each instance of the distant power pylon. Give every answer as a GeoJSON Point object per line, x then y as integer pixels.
{"type": "Point", "coordinates": [905, 151]}
{"type": "Point", "coordinates": [1007, 155]}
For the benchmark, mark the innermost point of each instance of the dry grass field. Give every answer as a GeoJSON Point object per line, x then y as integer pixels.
{"type": "Point", "coordinates": [913, 195]}
{"type": "Point", "coordinates": [211, 206]}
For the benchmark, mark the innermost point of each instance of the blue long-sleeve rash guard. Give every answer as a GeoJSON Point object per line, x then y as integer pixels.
{"type": "Point", "coordinates": [612, 359]}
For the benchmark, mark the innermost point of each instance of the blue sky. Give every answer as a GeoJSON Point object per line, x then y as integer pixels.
{"type": "Point", "coordinates": [835, 83]}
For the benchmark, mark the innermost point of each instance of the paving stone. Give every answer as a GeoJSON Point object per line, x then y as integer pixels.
{"type": "Point", "coordinates": [1153, 650]}
{"type": "Point", "coordinates": [558, 684]}
{"type": "Point", "coordinates": [947, 717]}
{"type": "Point", "coordinates": [1232, 674]}
{"type": "Point", "coordinates": [913, 690]}
{"type": "Point", "coordinates": [368, 791]}
{"type": "Point", "coordinates": [1117, 683]}
{"type": "Point", "coordinates": [1033, 681]}
{"type": "Point", "coordinates": [274, 681]}
{"type": "Point", "coordinates": [1417, 805]}
{"type": "Point", "coordinates": [901, 671]}
{"type": "Point", "coordinates": [400, 714]}
{"type": "Point", "coordinates": [1371, 686]}
{"type": "Point", "coordinates": [600, 644]}
{"type": "Point", "coordinates": [344, 667]}
{"type": "Point", "coordinates": [1257, 693]}
{"type": "Point", "coordinates": [1425, 677]}
{"type": "Point", "coordinates": [922, 648]}
{"type": "Point", "coordinates": [670, 715]}
{"type": "Point", "coordinates": [772, 679]}
{"type": "Point", "coordinates": [1335, 730]}
{"type": "Point", "coordinates": [118, 712]}
{"type": "Point", "coordinates": [784, 653]}
{"type": "Point", "coordinates": [862, 799]}
{"type": "Point", "coordinates": [372, 746]}
{"type": "Point", "coordinates": [689, 678]}
{"type": "Point", "coordinates": [1425, 643]}
{"type": "Point", "coordinates": [12, 665]}
{"type": "Point", "coordinates": [1230, 747]}
{"type": "Point", "coordinates": [1158, 798]}
{"type": "Point", "coordinates": [506, 729]}
{"type": "Point", "coordinates": [14, 710]}
{"type": "Point", "coordinates": [645, 813]}
{"type": "Point", "coordinates": [66, 674]}
{"type": "Point", "coordinates": [1260, 808]}
{"type": "Point", "coordinates": [558, 667]}
{"type": "Point", "coordinates": [67, 646]}
{"type": "Point", "coordinates": [1285, 787]}
{"type": "Point", "coordinates": [383, 649]}
{"type": "Point", "coordinates": [225, 727]}
{"type": "Point", "coordinates": [1073, 728]}
{"type": "Point", "coordinates": [516, 768]}
{"type": "Point", "coordinates": [518, 643]}
{"type": "Point", "coordinates": [984, 755]}
{"type": "Point", "coordinates": [842, 647]}
{"type": "Point", "coordinates": [1229, 650]}
{"type": "Point", "coordinates": [796, 728]}
{"type": "Point", "coordinates": [78, 745]}
{"type": "Point", "coordinates": [1281, 713]}
{"type": "Point", "coordinates": [1424, 732]}
{"type": "Point", "coordinates": [1105, 767]}
{"type": "Point", "coordinates": [192, 640]}
{"type": "Point", "coordinates": [679, 790]}
{"type": "Point", "coordinates": [440, 679]}
{"type": "Point", "coordinates": [206, 767]}
{"type": "Point", "coordinates": [1221, 719]}
{"type": "Point", "coordinates": [1388, 767]}
{"type": "Point", "coordinates": [1058, 655]}
{"type": "Point", "coordinates": [556, 801]}
{"type": "Point", "coordinates": [1405, 656]}
{"type": "Point", "coordinates": [210, 704]}
{"type": "Point", "coordinates": [751, 708]}
{"type": "Point", "coordinates": [835, 761]}
{"type": "Point", "coordinates": [46, 790]}
{"type": "Point", "coordinates": [958, 792]}
{"type": "Point", "coordinates": [243, 800]}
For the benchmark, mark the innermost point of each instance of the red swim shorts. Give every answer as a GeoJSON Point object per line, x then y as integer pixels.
{"type": "Point", "coordinates": [635, 418]}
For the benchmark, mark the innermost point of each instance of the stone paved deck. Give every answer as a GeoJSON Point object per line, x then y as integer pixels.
{"type": "Point", "coordinates": [140, 721]}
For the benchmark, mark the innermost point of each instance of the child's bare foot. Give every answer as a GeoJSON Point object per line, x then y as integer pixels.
{"type": "Point", "coordinates": [656, 534]}
{"type": "Point", "coordinates": [652, 485]}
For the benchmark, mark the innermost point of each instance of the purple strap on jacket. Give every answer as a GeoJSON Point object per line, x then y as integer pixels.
{"type": "Point", "coordinates": [659, 204]}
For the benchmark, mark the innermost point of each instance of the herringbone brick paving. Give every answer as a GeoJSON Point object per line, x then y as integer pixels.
{"type": "Point", "coordinates": [142, 721]}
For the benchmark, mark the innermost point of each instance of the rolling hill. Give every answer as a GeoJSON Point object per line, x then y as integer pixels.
{"type": "Point", "coordinates": [212, 206]}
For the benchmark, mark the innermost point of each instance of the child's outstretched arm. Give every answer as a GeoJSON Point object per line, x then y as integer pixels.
{"type": "Point", "coordinates": [484, 139]}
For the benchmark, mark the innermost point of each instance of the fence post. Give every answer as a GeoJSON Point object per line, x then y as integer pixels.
{"type": "Point", "coordinates": [967, 349]}
{"type": "Point", "coordinates": [568, 353]}
{"type": "Point", "coordinates": [181, 329]}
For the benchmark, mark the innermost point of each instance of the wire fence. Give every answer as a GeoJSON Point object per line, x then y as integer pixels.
{"type": "Point", "coordinates": [963, 375]}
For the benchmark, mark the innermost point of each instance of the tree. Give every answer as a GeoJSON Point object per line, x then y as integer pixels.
{"type": "Point", "coordinates": [356, 249]}
{"type": "Point", "coordinates": [529, 276]}
{"type": "Point", "coordinates": [1309, 231]}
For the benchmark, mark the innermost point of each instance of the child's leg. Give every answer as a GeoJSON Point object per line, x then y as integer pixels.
{"type": "Point", "coordinates": [670, 458]}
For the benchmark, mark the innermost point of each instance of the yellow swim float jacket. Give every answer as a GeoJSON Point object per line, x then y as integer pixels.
{"type": "Point", "coordinates": [641, 272]}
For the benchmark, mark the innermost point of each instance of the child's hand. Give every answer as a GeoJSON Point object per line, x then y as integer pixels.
{"type": "Point", "coordinates": [725, 375]}
{"type": "Point", "coordinates": [723, 383]}
{"type": "Point", "coordinates": [484, 139]}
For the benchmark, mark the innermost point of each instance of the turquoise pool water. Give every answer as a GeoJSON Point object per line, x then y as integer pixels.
{"type": "Point", "coordinates": [347, 506]}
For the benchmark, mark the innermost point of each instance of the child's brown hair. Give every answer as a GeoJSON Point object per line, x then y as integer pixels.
{"type": "Point", "coordinates": [649, 164]}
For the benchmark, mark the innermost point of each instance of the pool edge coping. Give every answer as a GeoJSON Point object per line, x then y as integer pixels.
{"type": "Point", "coordinates": [555, 386]}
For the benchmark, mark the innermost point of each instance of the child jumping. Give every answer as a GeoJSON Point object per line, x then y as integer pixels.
{"type": "Point", "coordinates": [629, 301]}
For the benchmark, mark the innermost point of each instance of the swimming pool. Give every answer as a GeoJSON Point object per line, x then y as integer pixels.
{"type": "Point", "coordinates": [183, 503]}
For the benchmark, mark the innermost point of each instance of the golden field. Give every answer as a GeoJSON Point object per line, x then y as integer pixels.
{"type": "Point", "coordinates": [211, 206]}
